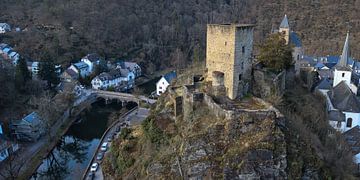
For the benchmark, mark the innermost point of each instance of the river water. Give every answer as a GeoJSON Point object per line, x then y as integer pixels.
{"type": "Point", "coordinates": [69, 159]}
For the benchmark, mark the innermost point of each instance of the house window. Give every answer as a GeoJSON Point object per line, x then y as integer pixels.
{"type": "Point", "coordinates": [160, 92]}
{"type": "Point", "coordinates": [225, 43]}
{"type": "Point", "coordinates": [243, 49]}
{"type": "Point", "coordinates": [343, 74]}
{"type": "Point", "coordinates": [338, 125]}
{"type": "Point", "coordinates": [160, 87]}
{"type": "Point", "coordinates": [240, 76]}
{"type": "Point", "coordinates": [349, 123]}
{"type": "Point", "coordinates": [242, 65]}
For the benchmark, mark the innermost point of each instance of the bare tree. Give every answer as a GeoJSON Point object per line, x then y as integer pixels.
{"type": "Point", "coordinates": [12, 166]}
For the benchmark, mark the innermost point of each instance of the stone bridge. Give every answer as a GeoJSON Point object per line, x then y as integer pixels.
{"type": "Point", "coordinates": [125, 97]}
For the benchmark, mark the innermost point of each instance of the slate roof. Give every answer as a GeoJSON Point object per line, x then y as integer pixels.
{"type": "Point", "coordinates": [113, 74]}
{"type": "Point", "coordinates": [295, 40]}
{"type": "Point", "coordinates": [343, 99]}
{"type": "Point", "coordinates": [170, 76]}
{"type": "Point", "coordinates": [326, 73]}
{"type": "Point", "coordinates": [81, 65]}
{"type": "Point", "coordinates": [352, 138]}
{"type": "Point", "coordinates": [285, 22]}
{"type": "Point", "coordinates": [336, 115]}
{"type": "Point", "coordinates": [319, 65]}
{"type": "Point", "coordinates": [72, 73]}
{"type": "Point", "coordinates": [330, 65]}
{"type": "Point", "coordinates": [93, 57]}
{"type": "Point", "coordinates": [325, 84]}
{"type": "Point", "coordinates": [32, 118]}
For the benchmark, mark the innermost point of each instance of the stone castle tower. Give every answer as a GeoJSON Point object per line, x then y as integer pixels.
{"type": "Point", "coordinates": [285, 29]}
{"type": "Point", "coordinates": [229, 52]}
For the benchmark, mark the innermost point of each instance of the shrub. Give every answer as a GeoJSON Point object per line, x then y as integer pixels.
{"type": "Point", "coordinates": [152, 132]}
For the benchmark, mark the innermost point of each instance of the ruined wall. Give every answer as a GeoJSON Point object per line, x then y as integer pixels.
{"type": "Point", "coordinates": [229, 50]}
{"type": "Point", "coordinates": [264, 86]}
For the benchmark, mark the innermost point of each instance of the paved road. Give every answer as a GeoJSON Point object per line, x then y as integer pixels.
{"type": "Point", "coordinates": [133, 118]}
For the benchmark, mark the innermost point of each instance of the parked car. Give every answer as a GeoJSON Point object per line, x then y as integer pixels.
{"type": "Point", "coordinates": [91, 176]}
{"type": "Point", "coordinates": [104, 146]}
{"type": "Point", "coordinates": [118, 129]}
{"type": "Point", "coordinates": [109, 138]}
{"type": "Point", "coordinates": [94, 167]}
{"type": "Point", "coordinates": [100, 156]}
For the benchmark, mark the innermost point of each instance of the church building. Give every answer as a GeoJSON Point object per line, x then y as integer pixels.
{"type": "Point", "coordinates": [293, 39]}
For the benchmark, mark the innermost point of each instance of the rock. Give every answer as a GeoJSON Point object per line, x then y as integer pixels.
{"type": "Point", "coordinates": [155, 168]}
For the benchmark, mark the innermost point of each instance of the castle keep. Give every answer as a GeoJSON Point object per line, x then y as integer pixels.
{"type": "Point", "coordinates": [229, 54]}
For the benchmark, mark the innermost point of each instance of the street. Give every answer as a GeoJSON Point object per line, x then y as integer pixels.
{"type": "Point", "coordinates": [133, 118]}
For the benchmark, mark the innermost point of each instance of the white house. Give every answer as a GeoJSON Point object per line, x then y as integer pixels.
{"type": "Point", "coordinates": [343, 107]}
{"type": "Point", "coordinates": [164, 82]}
{"type": "Point", "coordinates": [91, 60]}
{"type": "Point", "coordinates": [121, 79]}
{"type": "Point", "coordinates": [4, 27]}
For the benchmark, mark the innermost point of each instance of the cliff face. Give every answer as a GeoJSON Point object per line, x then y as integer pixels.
{"type": "Point", "coordinates": [208, 140]}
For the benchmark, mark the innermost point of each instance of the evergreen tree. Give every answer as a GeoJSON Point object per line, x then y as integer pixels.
{"type": "Point", "coordinates": [48, 72]}
{"type": "Point", "coordinates": [275, 54]}
{"type": "Point", "coordinates": [22, 74]}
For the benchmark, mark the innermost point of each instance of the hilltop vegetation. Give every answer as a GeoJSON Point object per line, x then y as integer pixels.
{"type": "Point", "coordinates": [166, 33]}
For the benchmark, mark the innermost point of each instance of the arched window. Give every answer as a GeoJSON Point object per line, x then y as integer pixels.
{"type": "Point", "coordinates": [349, 123]}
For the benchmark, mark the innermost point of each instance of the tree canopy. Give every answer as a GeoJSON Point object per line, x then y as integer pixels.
{"type": "Point", "coordinates": [22, 75]}
{"type": "Point", "coordinates": [275, 54]}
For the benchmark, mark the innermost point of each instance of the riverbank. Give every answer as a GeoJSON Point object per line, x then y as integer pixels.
{"type": "Point", "coordinates": [49, 144]}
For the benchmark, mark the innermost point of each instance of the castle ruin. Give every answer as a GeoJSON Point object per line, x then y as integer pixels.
{"type": "Point", "coordinates": [229, 51]}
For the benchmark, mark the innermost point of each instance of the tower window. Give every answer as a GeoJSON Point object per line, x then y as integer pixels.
{"type": "Point", "coordinates": [240, 77]}
{"type": "Point", "coordinates": [243, 49]}
{"type": "Point", "coordinates": [225, 43]}
{"type": "Point", "coordinates": [298, 57]}
{"type": "Point", "coordinates": [349, 122]}
{"type": "Point", "coordinates": [343, 74]}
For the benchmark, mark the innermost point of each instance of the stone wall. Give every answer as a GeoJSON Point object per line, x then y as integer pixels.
{"type": "Point", "coordinates": [265, 84]}
{"type": "Point", "coordinates": [229, 50]}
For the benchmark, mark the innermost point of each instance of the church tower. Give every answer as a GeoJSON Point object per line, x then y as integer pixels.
{"type": "Point", "coordinates": [285, 29]}
{"type": "Point", "coordinates": [342, 70]}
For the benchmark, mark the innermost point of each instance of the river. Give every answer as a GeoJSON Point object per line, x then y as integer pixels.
{"type": "Point", "coordinates": [72, 154]}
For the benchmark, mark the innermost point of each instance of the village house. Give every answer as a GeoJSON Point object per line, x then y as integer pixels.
{"type": "Point", "coordinates": [7, 148]}
{"type": "Point", "coordinates": [352, 138]}
{"type": "Point", "coordinates": [164, 82]}
{"type": "Point", "coordinates": [81, 69]}
{"type": "Point", "coordinates": [91, 60]}
{"type": "Point", "coordinates": [30, 128]}
{"type": "Point", "coordinates": [4, 27]}
{"type": "Point", "coordinates": [119, 79]}
{"type": "Point", "coordinates": [131, 66]}
{"type": "Point", "coordinates": [69, 75]}
{"type": "Point", "coordinates": [33, 67]}
{"type": "Point", "coordinates": [342, 104]}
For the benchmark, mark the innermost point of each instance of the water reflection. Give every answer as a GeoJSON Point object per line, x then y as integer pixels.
{"type": "Point", "coordinates": [70, 157]}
